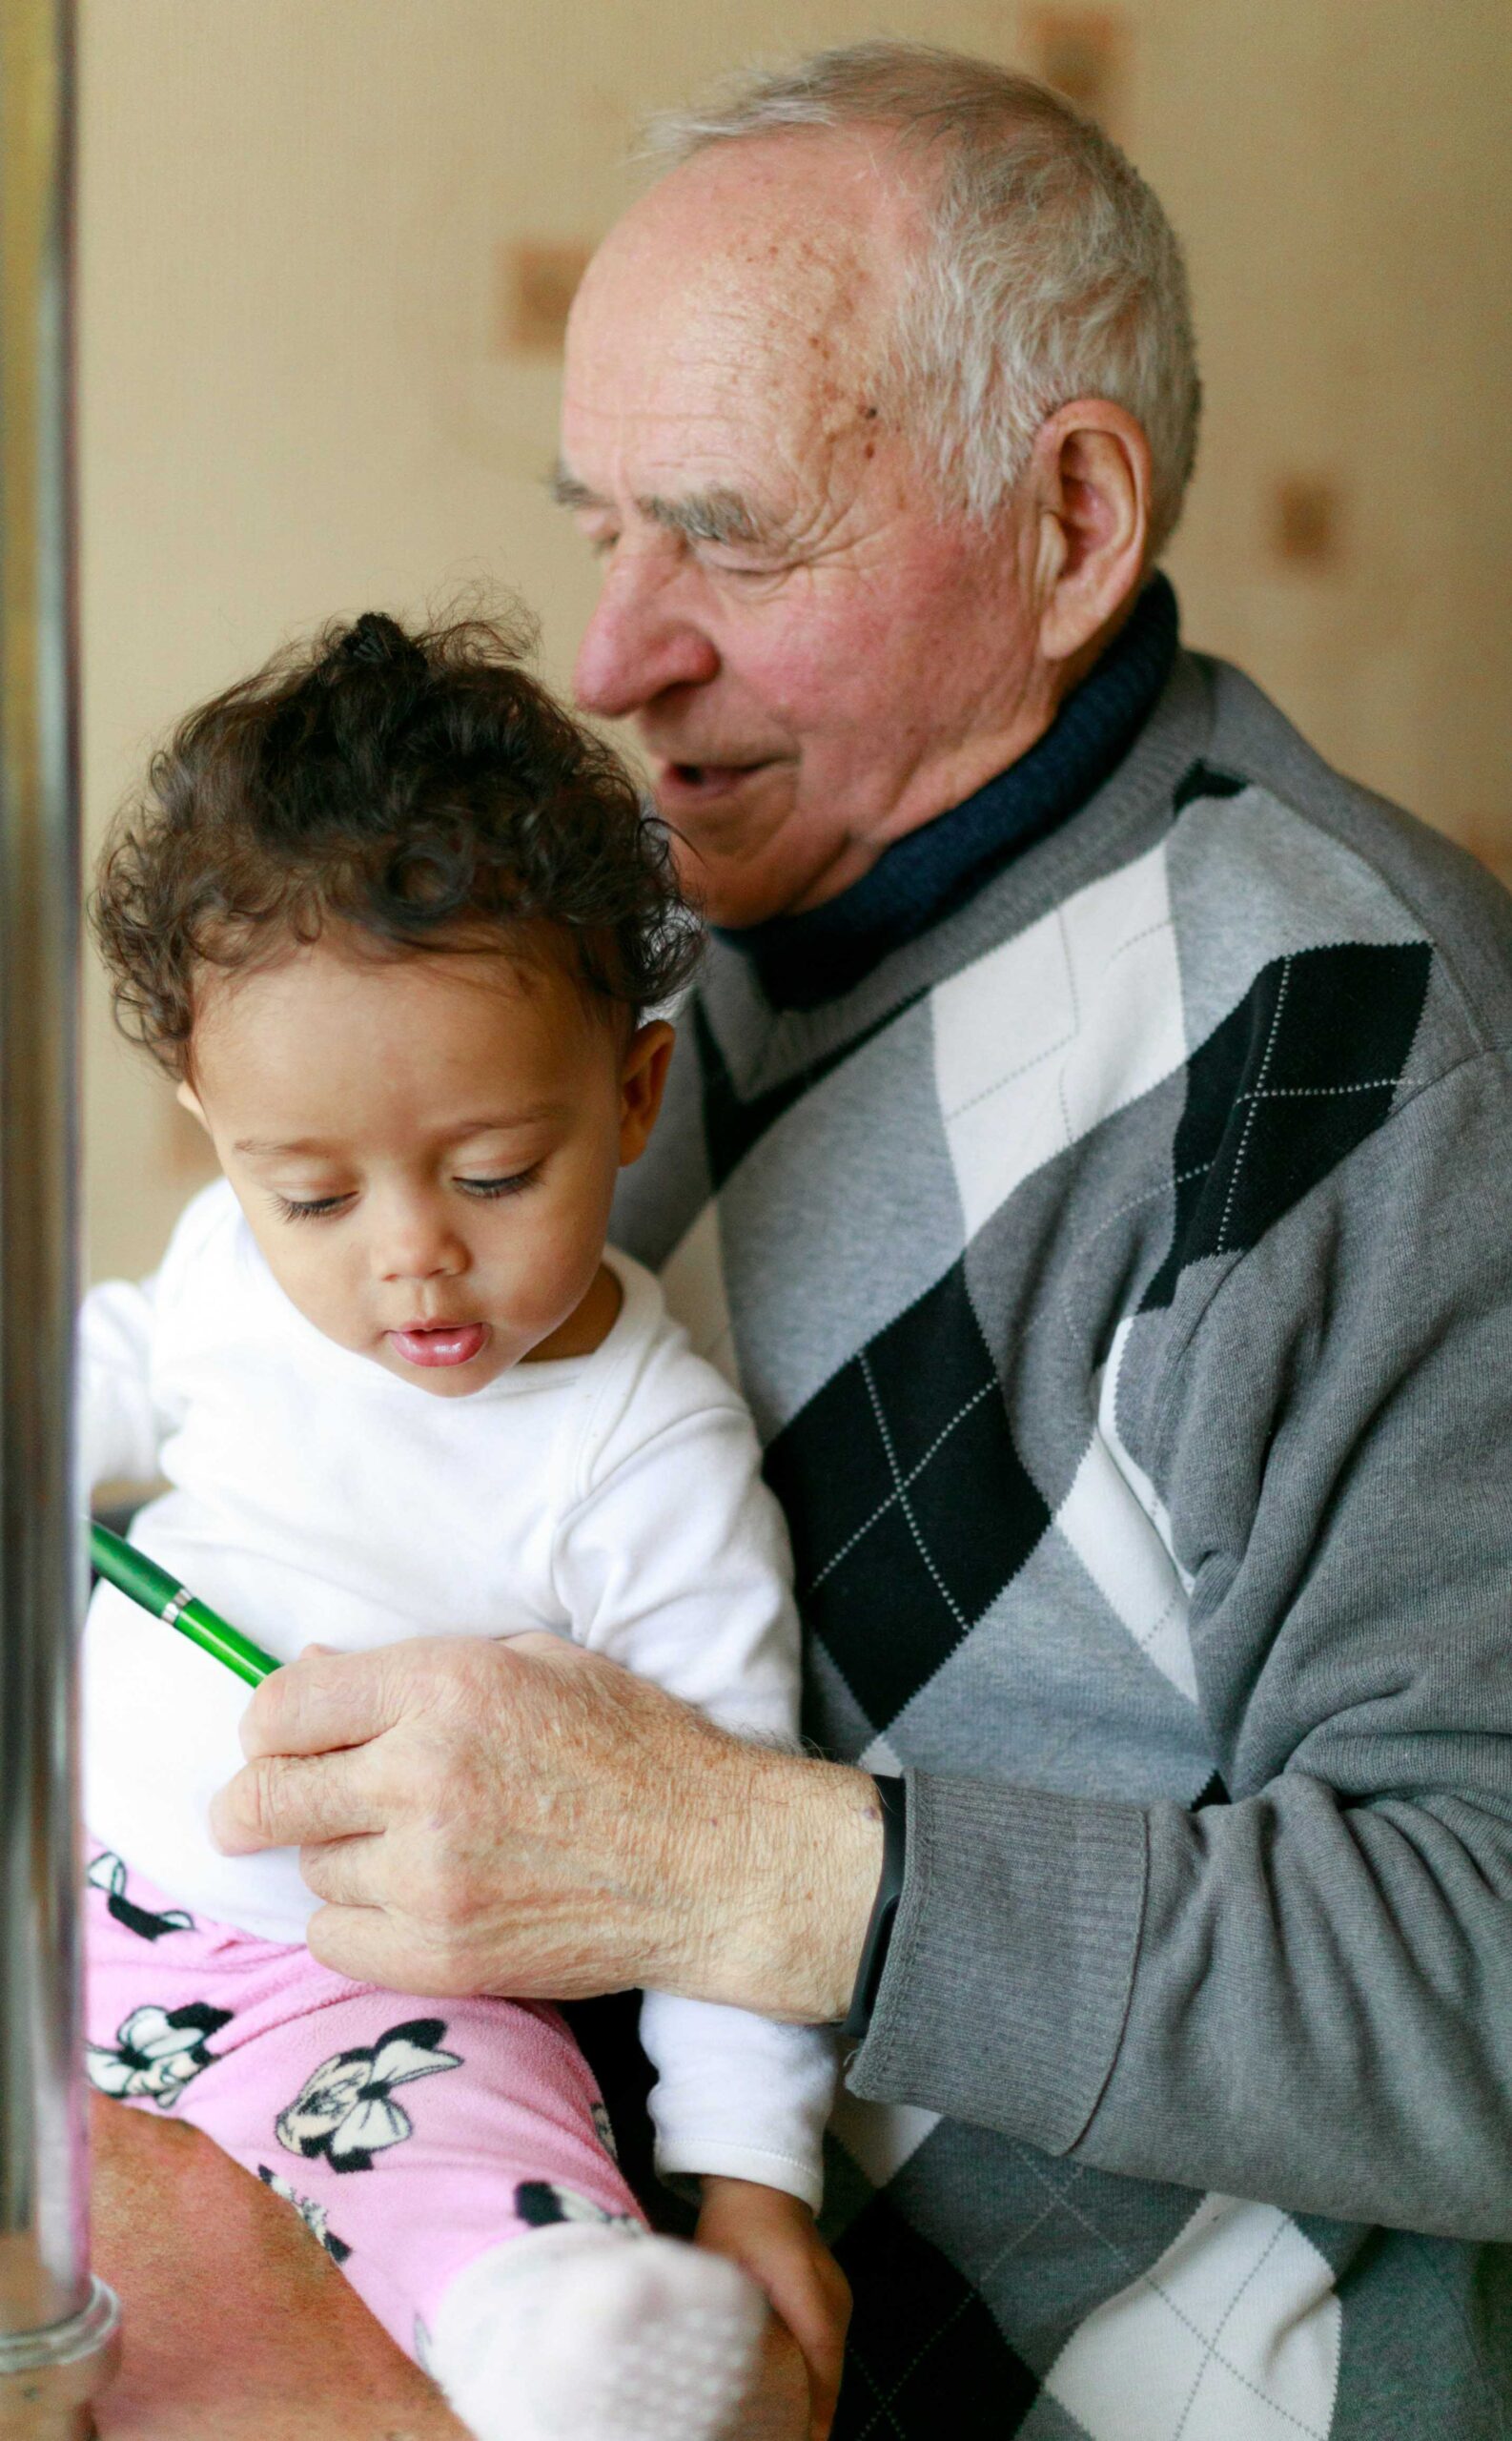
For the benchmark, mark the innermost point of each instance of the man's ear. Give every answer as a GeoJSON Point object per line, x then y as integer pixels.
{"type": "Point", "coordinates": [184, 1095]}
{"type": "Point", "coordinates": [643, 1080]}
{"type": "Point", "coordinates": [1090, 474]}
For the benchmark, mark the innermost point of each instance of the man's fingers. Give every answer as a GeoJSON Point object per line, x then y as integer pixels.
{"type": "Point", "coordinates": [342, 1871]}
{"type": "Point", "coordinates": [325, 1700]}
{"type": "Point", "coordinates": [288, 1801]}
{"type": "Point", "coordinates": [355, 1941]}
{"type": "Point", "coordinates": [367, 1944]}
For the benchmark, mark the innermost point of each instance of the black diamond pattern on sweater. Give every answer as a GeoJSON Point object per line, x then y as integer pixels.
{"type": "Point", "coordinates": [909, 1505]}
{"type": "Point", "coordinates": [965, 2383]}
{"type": "Point", "coordinates": [1303, 1070]}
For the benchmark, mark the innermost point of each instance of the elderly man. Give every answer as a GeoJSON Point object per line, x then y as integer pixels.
{"type": "Point", "coordinates": [1087, 1146]}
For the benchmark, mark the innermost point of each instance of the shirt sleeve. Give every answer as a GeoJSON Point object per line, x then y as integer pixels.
{"type": "Point", "coordinates": [677, 1565]}
{"type": "Point", "coordinates": [738, 2095]}
{"type": "Point", "coordinates": [1303, 1993]}
{"type": "Point", "coordinates": [120, 1430]}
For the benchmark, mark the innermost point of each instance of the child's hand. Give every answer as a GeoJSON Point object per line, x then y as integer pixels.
{"type": "Point", "coordinates": [773, 2236]}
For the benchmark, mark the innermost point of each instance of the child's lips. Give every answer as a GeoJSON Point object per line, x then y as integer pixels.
{"type": "Point", "coordinates": [439, 1342]}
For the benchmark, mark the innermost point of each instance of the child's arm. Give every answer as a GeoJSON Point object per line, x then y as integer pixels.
{"type": "Point", "coordinates": [119, 1430]}
{"type": "Point", "coordinates": [124, 1417]}
{"type": "Point", "coordinates": [774, 2236]}
{"type": "Point", "coordinates": [677, 1564]}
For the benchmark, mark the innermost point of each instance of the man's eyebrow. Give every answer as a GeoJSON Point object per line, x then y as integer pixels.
{"type": "Point", "coordinates": [718, 514]}
{"type": "Point", "coordinates": [568, 492]}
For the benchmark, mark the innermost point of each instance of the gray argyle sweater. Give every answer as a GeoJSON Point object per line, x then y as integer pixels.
{"type": "Point", "coordinates": [1121, 1271]}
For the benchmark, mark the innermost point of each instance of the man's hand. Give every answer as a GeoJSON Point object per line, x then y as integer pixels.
{"type": "Point", "coordinates": [529, 1819]}
{"type": "Point", "coordinates": [773, 2236]}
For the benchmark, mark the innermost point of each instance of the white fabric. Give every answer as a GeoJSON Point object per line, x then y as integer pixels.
{"type": "Point", "coordinates": [1014, 1095]}
{"type": "Point", "coordinates": [578, 2333]}
{"type": "Point", "coordinates": [615, 1499]}
{"type": "Point", "coordinates": [1236, 2329]}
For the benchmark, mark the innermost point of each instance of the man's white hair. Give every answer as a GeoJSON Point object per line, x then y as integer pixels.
{"type": "Point", "coordinates": [1050, 272]}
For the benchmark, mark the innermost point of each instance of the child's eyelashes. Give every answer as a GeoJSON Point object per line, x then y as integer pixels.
{"type": "Point", "coordinates": [322, 1207]}
{"type": "Point", "coordinates": [489, 1187]}
{"type": "Point", "coordinates": [316, 1210]}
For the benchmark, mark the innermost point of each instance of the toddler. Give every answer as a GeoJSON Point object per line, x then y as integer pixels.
{"type": "Point", "coordinates": [394, 924]}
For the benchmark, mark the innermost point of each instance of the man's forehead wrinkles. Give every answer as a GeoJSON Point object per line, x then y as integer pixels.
{"type": "Point", "coordinates": [714, 308]}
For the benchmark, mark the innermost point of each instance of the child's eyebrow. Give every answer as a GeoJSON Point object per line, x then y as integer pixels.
{"type": "Point", "coordinates": [531, 1115]}
{"type": "Point", "coordinates": [497, 1122]}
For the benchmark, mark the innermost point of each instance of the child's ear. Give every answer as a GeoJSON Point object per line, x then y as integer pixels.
{"type": "Point", "coordinates": [184, 1095]}
{"type": "Point", "coordinates": [642, 1079]}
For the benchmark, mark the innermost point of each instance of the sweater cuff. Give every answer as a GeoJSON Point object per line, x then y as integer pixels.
{"type": "Point", "coordinates": [1007, 1986]}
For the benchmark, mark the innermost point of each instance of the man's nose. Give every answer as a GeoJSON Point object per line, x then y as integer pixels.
{"type": "Point", "coordinates": [640, 642]}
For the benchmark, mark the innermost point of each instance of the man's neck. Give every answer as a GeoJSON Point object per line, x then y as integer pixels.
{"type": "Point", "coordinates": [806, 958]}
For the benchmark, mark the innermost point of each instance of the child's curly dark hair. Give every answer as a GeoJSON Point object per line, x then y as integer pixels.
{"type": "Point", "coordinates": [422, 789]}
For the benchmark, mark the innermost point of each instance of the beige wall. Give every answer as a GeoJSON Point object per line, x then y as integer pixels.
{"type": "Point", "coordinates": [296, 401]}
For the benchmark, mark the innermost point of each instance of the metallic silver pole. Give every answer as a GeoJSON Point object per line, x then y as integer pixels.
{"type": "Point", "coordinates": [57, 2327]}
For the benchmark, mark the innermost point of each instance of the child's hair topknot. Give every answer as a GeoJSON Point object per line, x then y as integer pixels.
{"type": "Point", "coordinates": [423, 788]}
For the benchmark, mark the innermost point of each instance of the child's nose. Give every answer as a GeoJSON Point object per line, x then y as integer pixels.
{"type": "Point", "coordinates": [419, 1245]}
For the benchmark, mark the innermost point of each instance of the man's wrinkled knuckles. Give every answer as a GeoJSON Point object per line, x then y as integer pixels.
{"type": "Point", "coordinates": [423, 1868]}
{"type": "Point", "coordinates": [326, 1700]}
{"type": "Point", "coordinates": [368, 1945]}
{"type": "Point", "coordinates": [309, 1706]}
{"type": "Point", "coordinates": [470, 1683]}
{"type": "Point", "coordinates": [537, 1641]}
{"type": "Point", "coordinates": [434, 1889]}
{"type": "Point", "coordinates": [283, 1801]}
{"type": "Point", "coordinates": [340, 1871]}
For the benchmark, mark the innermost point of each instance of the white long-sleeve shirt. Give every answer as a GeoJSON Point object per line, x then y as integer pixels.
{"type": "Point", "coordinates": [615, 1499]}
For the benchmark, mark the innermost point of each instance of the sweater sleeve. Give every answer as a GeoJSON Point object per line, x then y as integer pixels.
{"type": "Point", "coordinates": [1302, 1993]}
{"type": "Point", "coordinates": [677, 1565]}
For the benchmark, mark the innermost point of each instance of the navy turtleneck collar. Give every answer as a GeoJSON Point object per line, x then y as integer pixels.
{"type": "Point", "coordinates": [802, 960]}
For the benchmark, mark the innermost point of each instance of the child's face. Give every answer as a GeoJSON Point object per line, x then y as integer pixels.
{"type": "Point", "coordinates": [425, 1148]}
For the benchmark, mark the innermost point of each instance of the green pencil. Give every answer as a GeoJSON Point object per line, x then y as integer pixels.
{"type": "Point", "coordinates": [132, 1573]}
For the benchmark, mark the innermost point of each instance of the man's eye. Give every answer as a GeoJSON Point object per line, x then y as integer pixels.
{"type": "Point", "coordinates": [487, 1188]}
{"type": "Point", "coordinates": [316, 1210]}
{"type": "Point", "coordinates": [746, 571]}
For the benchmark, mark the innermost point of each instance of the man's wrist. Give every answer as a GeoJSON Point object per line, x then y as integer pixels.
{"type": "Point", "coordinates": [798, 1889]}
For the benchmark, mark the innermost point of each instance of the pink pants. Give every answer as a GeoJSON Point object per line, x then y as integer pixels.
{"type": "Point", "coordinates": [410, 2136]}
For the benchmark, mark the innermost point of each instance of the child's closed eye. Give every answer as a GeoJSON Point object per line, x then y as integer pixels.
{"type": "Point", "coordinates": [318, 1209]}
{"type": "Point", "coordinates": [489, 1187]}
{"type": "Point", "coordinates": [322, 1207]}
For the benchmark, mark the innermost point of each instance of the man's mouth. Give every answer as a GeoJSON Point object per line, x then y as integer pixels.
{"type": "Point", "coordinates": [694, 783]}
{"type": "Point", "coordinates": [439, 1342]}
